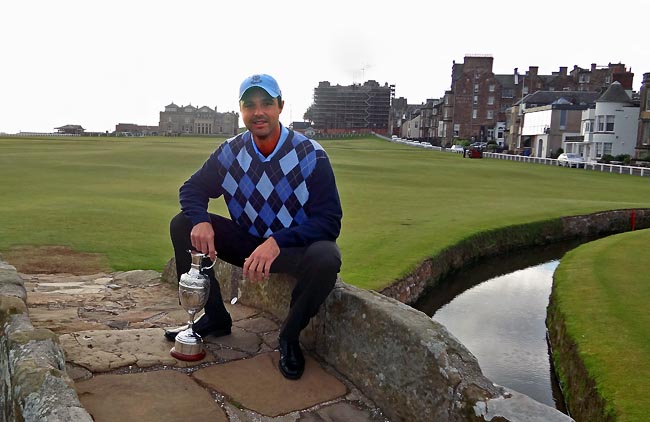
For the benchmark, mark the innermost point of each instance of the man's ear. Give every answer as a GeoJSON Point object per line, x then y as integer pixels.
{"type": "Point", "coordinates": [281, 105]}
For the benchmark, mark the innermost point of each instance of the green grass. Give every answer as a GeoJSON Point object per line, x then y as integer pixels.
{"type": "Point", "coordinates": [603, 289]}
{"type": "Point", "coordinates": [401, 204]}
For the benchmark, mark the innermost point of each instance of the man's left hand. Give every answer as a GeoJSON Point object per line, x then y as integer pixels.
{"type": "Point", "coordinates": [257, 266]}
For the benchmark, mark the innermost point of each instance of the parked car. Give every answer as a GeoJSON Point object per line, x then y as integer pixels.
{"type": "Point", "coordinates": [475, 153]}
{"type": "Point", "coordinates": [457, 148]}
{"type": "Point", "coordinates": [569, 159]}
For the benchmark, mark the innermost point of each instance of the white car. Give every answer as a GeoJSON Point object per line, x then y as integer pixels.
{"type": "Point", "coordinates": [569, 159]}
{"type": "Point", "coordinates": [457, 148]}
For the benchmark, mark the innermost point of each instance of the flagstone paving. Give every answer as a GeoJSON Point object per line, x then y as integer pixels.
{"type": "Point", "coordinates": [111, 329]}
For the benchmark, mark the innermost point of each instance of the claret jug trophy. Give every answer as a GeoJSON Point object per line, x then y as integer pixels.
{"type": "Point", "coordinates": [193, 291]}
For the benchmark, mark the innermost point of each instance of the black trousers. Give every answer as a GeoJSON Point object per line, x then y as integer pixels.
{"type": "Point", "coordinates": [315, 268]}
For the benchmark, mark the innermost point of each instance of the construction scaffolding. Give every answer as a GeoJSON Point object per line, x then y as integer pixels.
{"type": "Point", "coordinates": [353, 108]}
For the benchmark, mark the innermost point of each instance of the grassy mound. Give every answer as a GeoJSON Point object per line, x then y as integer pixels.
{"type": "Point", "coordinates": [600, 324]}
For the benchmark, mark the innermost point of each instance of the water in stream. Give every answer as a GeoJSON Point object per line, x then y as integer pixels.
{"type": "Point", "coordinates": [497, 309]}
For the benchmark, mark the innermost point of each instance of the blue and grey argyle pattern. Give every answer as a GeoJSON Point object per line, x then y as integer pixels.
{"type": "Point", "coordinates": [264, 197]}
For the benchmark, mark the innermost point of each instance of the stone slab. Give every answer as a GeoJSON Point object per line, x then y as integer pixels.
{"type": "Point", "coordinates": [238, 339]}
{"type": "Point", "coordinates": [338, 412]}
{"type": "Point", "coordinates": [257, 384]}
{"type": "Point", "coordinates": [257, 325]}
{"type": "Point", "coordinates": [161, 396]}
{"type": "Point", "coordinates": [107, 350]}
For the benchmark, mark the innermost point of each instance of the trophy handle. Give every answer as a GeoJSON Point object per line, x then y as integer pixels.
{"type": "Point", "coordinates": [200, 257]}
{"type": "Point", "coordinates": [207, 268]}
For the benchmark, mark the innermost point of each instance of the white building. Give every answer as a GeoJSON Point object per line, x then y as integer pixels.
{"type": "Point", "coordinates": [610, 128]}
{"type": "Point", "coordinates": [546, 128]}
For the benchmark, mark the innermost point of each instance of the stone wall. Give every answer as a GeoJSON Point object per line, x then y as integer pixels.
{"type": "Point", "coordinates": [500, 241]}
{"type": "Point", "coordinates": [399, 357]}
{"type": "Point", "coordinates": [34, 384]}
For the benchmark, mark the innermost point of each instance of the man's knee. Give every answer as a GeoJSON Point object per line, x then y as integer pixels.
{"type": "Point", "coordinates": [323, 256]}
{"type": "Point", "coordinates": [180, 226]}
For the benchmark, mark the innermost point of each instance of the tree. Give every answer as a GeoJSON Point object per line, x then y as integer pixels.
{"type": "Point", "coordinates": [309, 114]}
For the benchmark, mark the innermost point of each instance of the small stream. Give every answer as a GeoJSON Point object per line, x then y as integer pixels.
{"type": "Point", "coordinates": [497, 309]}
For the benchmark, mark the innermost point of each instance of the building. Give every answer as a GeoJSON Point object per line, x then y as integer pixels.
{"type": "Point", "coordinates": [70, 130]}
{"type": "Point", "coordinates": [520, 141]}
{"type": "Point", "coordinates": [304, 128]}
{"type": "Point", "coordinates": [132, 129]}
{"type": "Point", "coordinates": [475, 108]}
{"type": "Point", "coordinates": [546, 128]}
{"type": "Point", "coordinates": [352, 109]}
{"type": "Point", "coordinates": [609, 127]}
{"type": "Point", "coordinates": [643, 136]}
{"type": "Point", "coordinates": [190, 120]}
{"type": "Point", "coordinates": [398, 113]}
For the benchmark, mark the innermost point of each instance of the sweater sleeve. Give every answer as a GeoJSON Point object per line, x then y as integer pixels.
{"type": "Point", "coordinates": [323, 210]}
{"type": "Point", "coordinates": [195, 193]}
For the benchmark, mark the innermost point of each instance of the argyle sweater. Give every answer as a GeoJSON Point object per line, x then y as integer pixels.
{"type": "Point", "coordinates": [292, 196]}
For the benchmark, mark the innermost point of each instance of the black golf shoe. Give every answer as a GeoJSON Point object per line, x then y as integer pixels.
{"type": "Point", "coordinates": [203, 326]}
{"type": "Point", "coordinates": [292, 361]}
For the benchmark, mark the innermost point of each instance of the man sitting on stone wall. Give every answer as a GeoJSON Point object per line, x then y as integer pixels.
{"type": "Point", "coordinates": [285, 216]}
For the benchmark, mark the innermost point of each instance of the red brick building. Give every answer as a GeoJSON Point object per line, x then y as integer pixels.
{"type": "Point", "coordinates": [475, 106]}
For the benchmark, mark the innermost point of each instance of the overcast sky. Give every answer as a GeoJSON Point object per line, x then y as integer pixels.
{"type": "Point", "coordinates": [99, 63]}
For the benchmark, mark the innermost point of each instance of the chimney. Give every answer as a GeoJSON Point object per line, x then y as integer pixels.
{"type": "Point", "coordinates": [563, 70]}
{"type": "Point", "coordinates": [593, 67]}
{"type": "Point", "coordinates": [532, 70]}
{"type": "Point", "coordinates": [625, 79]}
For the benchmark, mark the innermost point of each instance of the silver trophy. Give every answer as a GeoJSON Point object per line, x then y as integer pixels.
{"type": "Point", "coordinates": [193, 292]}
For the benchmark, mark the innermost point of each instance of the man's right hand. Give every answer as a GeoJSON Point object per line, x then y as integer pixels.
{"type": "Point", "coordinates": [202, 237]}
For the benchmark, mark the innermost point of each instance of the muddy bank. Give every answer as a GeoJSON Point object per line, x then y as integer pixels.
{"type": "Point", "coordinates": [501, 241]}
{"type": "Point", "coordinates": [578, 388]}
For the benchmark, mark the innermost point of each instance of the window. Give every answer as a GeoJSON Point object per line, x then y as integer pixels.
{"type": "Point", "coordinates": [605, 123]}
{"type": "Point", "coordinates": [587, 126]}
{"type": "Point", "coordinates": [490, 115]}
{"type": "Point", "coordinates": [475, 99]}
{"type": "Point", "coordinates": [491, 88]}
{"type": "Point", "coordinates": [599, 150]}
{"type": "Point", "coordinates": [474, 114]}
{"type": "Point", "coordinates": [456, 129]}
{"type": "Point", "coordinates": [524, 90]}
{"type": "Point", "coordinates": [507, 93]}
{"type": "Point", "coordinates": [491, 100]}
{"type": "Point", "coordinates": [609, 124]}
{"type": "Point", "coordinates": [563, 115]}
{"type": "Point", "coordinates": [608, 79]}
{"type": "Point", "coordinates": [584, 78]}
{"type": "Point", "coordinates": [475, 87]}
{"type": "Point", "coordinates": [607, 148]}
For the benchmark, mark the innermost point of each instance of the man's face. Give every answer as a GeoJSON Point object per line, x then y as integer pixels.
{"type": "Point", "coordinates": [260, 112]}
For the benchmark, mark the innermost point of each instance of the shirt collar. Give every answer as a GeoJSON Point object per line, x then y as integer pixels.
{"type": "Point", "coordinates": [284, 132]}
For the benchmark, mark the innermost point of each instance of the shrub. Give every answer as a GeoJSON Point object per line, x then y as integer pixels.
{"type": "Point", "coordinates": [624, 158]}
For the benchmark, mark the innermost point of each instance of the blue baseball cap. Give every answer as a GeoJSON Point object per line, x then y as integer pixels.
{"type": "Point", "coordinates": [266, 82]}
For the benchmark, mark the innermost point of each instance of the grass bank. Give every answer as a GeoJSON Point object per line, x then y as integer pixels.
{"type": "Point", "coordinates": [115, 196]}
{"type": "Point", "coordinates": [601, 324]}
